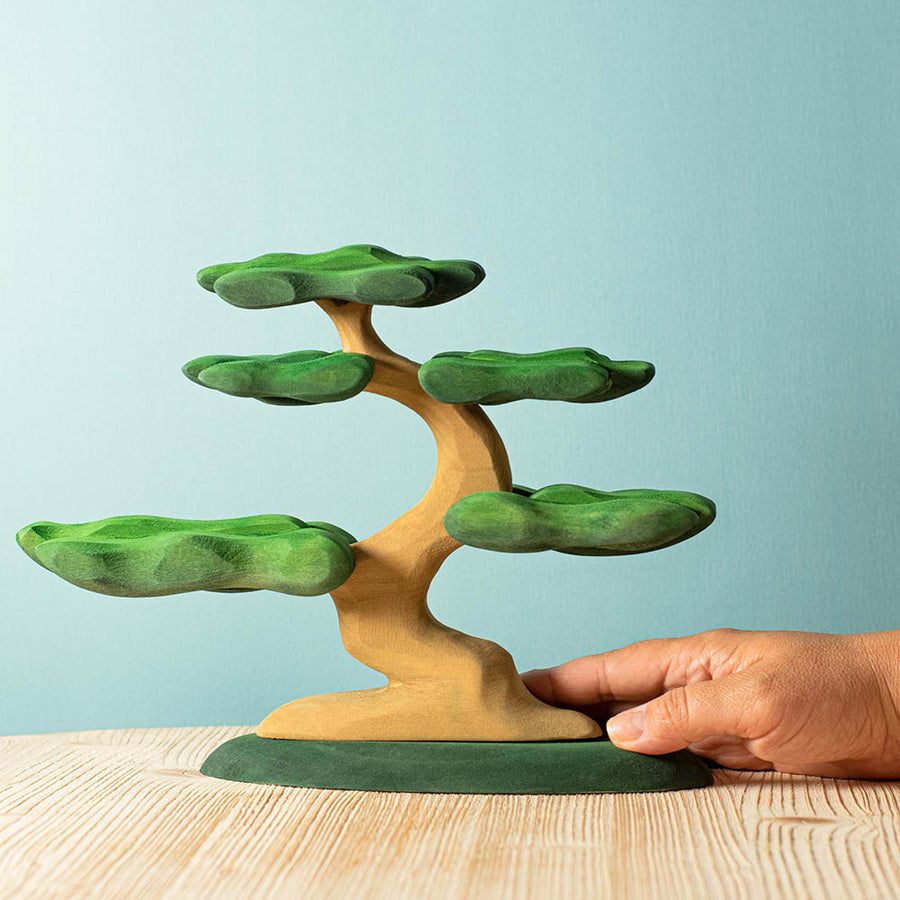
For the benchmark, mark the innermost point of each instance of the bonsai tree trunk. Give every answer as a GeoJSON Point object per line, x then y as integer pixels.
{"type": "Point", "coordinates": [442, 684]}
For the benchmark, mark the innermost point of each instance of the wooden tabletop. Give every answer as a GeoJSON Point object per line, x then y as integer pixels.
{"type": "Point", "coordinates": [121, 814]}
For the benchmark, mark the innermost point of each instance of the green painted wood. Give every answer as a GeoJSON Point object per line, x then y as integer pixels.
{"type": "Point", "coordinates": [301, 378]}
{"type": "Point", "coordinates": [573, 374]}
{"type": "Point", "coordinates": [362, 273]}
{"type": "Point", "coordinates": [454, 767]}
{"type": "Point", "coordinates": [577, 520]}
{"type": "Point", "coordinates": [333, 529]}
{"type": "Point", "coordinates": [149, 556]}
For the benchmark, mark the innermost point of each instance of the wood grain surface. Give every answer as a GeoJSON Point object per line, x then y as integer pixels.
{"type": "Point", "coordinates": [122, 814]}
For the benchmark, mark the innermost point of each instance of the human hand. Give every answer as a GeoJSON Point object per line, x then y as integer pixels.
{"type": "Point", "coordinates": [800, 702]}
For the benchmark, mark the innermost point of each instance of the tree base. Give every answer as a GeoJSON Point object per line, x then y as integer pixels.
{"type": "Point", "coordinates": [486, 701]}
{"type": "Point", "coordinates": [454, 767]}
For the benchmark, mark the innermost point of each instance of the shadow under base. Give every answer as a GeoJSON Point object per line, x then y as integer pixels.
{"type": "Point", "coordinates": [455, 767]}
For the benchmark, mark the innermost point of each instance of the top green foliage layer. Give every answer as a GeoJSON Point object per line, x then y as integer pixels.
{"type": "Point", "coordinates": [147, 556]}
{"type": "Point", "coordinates": [578, 520]}
{"type": "Point", "coordinates": [488, 377]}
{"type": "Point", "coordinates": [362, 273]}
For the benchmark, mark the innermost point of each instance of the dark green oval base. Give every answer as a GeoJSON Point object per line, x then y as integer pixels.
{"type": "Point", "coordinates": [454, 767]}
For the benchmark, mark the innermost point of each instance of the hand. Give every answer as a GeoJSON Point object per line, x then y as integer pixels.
{"type": "Point", "coordinates": [814, 704]}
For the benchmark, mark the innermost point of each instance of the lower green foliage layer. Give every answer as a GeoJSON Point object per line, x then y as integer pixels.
{"type": "Point", "coordinates": [148, 556]}
{"type": "Point", "coordinates": [455, 767]}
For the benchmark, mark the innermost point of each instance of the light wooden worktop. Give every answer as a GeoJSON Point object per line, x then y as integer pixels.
{"type": "Point", "coordinates": [121, 814]}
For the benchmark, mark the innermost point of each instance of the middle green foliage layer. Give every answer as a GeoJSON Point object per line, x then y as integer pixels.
{"type": "Point", "coordinates": [292, 379]}
{"type": "Point", "coordinates": [578, 520]}
{"type": "Point", "coordinates": [148, 556]}
{"type": "Point", "coordinates": [488, 377]}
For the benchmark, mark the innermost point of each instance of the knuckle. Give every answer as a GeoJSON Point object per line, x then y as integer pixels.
{"type": "Point", "coordinates": [671, 712]}
{"type": "Point", "coordinates": [551, 684]}
{"type": "Point", "coordinates": [765, 686]}
{"type": "Point", "coordinates": [601, 672]}
{"type": "Point", "coordinates": [718, 633]}
{"type": "Point", "coordinates": [648, 643]}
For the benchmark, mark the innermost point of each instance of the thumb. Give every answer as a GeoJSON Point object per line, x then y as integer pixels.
{"type": "Point", "coordinates": [684, 716]}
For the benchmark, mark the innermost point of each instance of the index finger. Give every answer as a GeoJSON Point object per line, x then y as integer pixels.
{"type": "Point", "coordinates": [634, 673]}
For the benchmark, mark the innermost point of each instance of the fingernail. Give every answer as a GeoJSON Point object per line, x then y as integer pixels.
{"type": "Point", "coordinates": [626, 727]}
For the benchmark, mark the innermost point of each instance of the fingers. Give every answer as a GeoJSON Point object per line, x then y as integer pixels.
{"type": "Point", "coordinates": [634, 673]}
{"type": "Point", "coordinates": [688, 715]}
{"type": "Point", "coordinates": [732, 753]}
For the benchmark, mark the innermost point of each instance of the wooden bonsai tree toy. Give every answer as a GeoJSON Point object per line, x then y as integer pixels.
{"type": "Point", "coordinates": [454, 714]}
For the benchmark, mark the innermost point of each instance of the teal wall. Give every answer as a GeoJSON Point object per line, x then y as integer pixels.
{"type": "Point", "coordinates": [709, 186]}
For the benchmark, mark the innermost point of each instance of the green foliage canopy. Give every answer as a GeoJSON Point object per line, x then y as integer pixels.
{"type": "Point", "coordinates": [578, 520]}
{"type": "Point", "coordinates": [147, 556]}
{"type": "Point", "coordinates": [362, 273]}
{"type": "Point", "coordinates": [291, 379]}
{"type": "Point", "coordinates": [488, 377]}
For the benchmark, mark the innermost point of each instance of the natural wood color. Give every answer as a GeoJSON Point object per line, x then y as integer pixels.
{"type": "Point", "coordinates": [442, 684]}
{"type": "Point", "coordinates": [125, 814]}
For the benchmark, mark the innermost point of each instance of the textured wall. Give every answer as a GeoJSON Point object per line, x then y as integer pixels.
{"type": "Point", "coordinates": [711, 187]}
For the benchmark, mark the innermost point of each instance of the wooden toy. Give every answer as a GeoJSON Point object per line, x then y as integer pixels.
{"type": "Point", "coordinates": [454, 715]}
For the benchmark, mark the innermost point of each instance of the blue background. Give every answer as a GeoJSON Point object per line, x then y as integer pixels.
{"type": "Point", "coordinates": [709, 186]}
